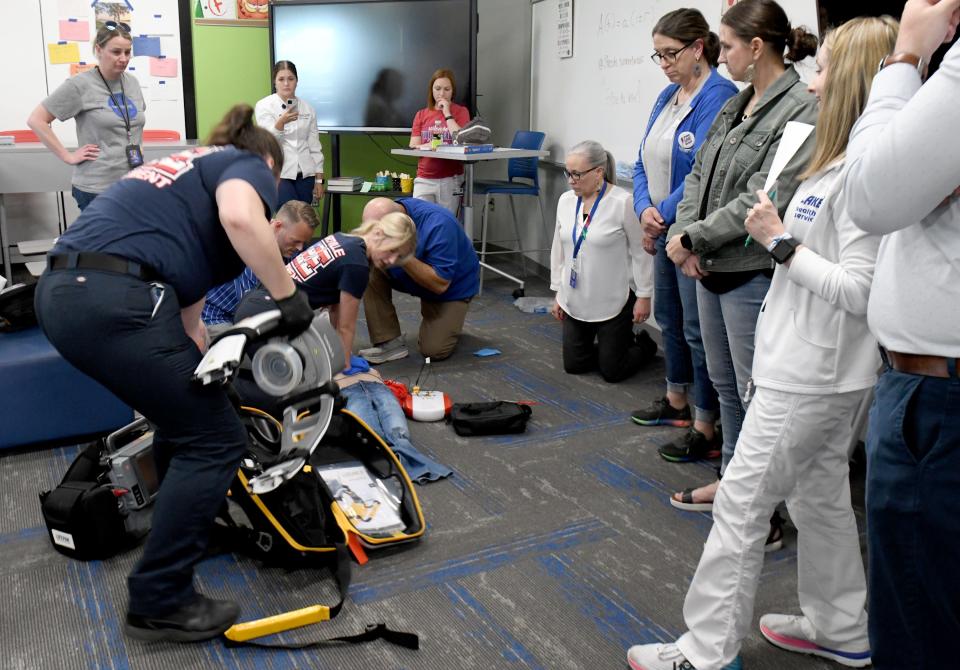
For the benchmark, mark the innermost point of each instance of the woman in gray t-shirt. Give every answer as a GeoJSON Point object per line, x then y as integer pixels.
{"type": "Point", "coordinates": [108, 107]}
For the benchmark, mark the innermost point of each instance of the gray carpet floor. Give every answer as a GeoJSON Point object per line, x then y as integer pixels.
{"type": "Point", "coordinates": [553, 549]}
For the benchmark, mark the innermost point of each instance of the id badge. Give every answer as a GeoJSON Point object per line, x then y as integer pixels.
{"type": "Point", "coordinates": [134, 155]}
{"type": "Point", "coordinates": [574, 271]}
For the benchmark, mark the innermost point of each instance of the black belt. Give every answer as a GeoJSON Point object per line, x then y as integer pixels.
{"type": "Point", "coordinates": [95, 260]}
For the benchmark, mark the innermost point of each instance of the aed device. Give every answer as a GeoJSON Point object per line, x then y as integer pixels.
{"type": "Point", "coordinates": [427, 405]}
{"type": "Point", "coordinates": [423, 405]}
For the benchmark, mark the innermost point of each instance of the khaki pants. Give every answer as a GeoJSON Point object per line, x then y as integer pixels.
{"type": "Point", "coordinates": [439, 330]}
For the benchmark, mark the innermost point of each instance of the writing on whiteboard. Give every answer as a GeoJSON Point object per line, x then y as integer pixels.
{"type": "Point", "coordinates": [638, 19]}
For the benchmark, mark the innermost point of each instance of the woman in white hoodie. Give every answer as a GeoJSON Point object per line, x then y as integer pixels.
{"type": "Point", "coordinates": [814, 362]}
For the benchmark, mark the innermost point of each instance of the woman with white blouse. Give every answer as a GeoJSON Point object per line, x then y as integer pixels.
{"type": "Point", "coordinates": [293, 122]}
{"type": "Point", "coordinates": [602, 277]}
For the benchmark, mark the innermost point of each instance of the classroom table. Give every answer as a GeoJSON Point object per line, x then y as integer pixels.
{"type": "Point", "coordinates": [29, 167]}
{"type": "Point", "coordinates": [469, 160]}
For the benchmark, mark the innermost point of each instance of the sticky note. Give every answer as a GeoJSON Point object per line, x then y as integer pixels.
{"type": "Point", "coordinates": [77, 68]}
{"type": "Point", "coordinates": [163, 67]}
{"type": "Point", "coordinates": [63, 52]}
{"type": "Point", "coordinates": [483, 353]}
{"type": "Point", "coordinates": [367, 185]}
{"type": "Point", "coordinates": [74, 30]}
{"type": "Point", "coordinates": [144, 45]}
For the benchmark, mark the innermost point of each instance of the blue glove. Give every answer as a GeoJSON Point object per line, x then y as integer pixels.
{"type": "Point", "coordinates": [357, 365]}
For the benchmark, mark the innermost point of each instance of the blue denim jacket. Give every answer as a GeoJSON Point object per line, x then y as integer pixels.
{"type": "Point", "coordinates": [703, 110]}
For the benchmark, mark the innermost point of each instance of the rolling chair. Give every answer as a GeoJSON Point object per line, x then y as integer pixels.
{"type": "Point", "coordinates": [517, 169]}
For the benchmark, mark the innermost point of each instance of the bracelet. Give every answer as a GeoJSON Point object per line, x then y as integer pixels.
{"type": "Point", "coordinates": [448, 118]}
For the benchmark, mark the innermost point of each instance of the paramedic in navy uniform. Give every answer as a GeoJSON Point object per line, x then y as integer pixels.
{"type": "Point", "coordinates": [121, 300]}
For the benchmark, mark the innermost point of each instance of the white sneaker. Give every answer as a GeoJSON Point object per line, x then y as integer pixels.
{"type": "Point", "coordinates": [796, 633]}
{"type": "Point", "coordinates": [391, 350]}
{"type": "Point", "coordinates": [665, 657]}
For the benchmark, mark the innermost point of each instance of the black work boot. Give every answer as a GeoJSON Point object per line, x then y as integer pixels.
{"type": "Point", "coordinates": [202, 619]}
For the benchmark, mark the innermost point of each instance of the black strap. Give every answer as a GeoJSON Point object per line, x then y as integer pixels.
{"type": "Point", "coordinates": [373, 631]}
{"type": "Point", "coordinates": [124, 112]}
{"type": "Point", "coordinates": [96, 260]}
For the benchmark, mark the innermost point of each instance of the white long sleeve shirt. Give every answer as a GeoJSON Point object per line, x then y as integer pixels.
{"type": "Point", "coordinates": [299, 139]}
{"type": "Point", "coordinates": [611, 259]}
{"type": "Point", "coordinates": [812, 334]}
{"type": "Point", "coordinates": [904, 160]}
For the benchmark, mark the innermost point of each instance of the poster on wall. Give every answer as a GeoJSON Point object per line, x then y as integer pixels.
{"type": "Point", "coordinates": [243, 12]}
{"type": "Point", "coordinates": [565, 28]}
{"type": "Point", "coordinates": [118, 12]}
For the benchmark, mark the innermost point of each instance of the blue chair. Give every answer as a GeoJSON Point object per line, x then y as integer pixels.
{"type": "Point", "coordinates": [517, 169]}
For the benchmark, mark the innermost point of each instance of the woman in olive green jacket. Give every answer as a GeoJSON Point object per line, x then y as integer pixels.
{"type": "Point", "coordinates": [708, 239]}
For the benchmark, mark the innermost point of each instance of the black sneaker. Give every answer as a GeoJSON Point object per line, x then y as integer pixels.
{"type": "Point", "coordinates": [203, 619]}
{"type": "Point", "coordinates": [693, 446]}
{"type": "Point", "coordinates": [662, 413]}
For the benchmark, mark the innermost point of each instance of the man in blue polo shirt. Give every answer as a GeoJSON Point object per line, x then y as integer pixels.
{"type": "Point", "coordinates": [444, 273]}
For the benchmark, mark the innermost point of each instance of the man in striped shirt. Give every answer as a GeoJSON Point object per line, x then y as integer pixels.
{"type": "Point", "coordinates": [293, 227]}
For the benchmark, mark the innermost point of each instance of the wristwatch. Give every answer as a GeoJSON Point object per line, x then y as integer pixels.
{"type": "Point", "coordinates": [782, 247]}
{"type": "Point", "coordinates": [449, 117]}
{"type": "Point", "coordinates": [904, 57]}
{"type": "Point", "coordinates": [686, 242]}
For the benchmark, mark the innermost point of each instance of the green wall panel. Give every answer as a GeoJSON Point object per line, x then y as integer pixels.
{"type": "Point", "coordinates": [232, 64]}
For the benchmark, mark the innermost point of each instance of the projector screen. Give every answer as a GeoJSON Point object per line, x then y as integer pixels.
{"type": "Point", "coordinates": [365, 65]}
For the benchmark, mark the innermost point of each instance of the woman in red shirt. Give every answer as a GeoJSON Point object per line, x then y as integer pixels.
{"type": "Point", "coordinates": [439, 180]}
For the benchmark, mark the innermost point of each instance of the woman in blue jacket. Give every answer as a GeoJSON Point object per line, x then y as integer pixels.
{"type": "Point", "coordinates": [687, 52]}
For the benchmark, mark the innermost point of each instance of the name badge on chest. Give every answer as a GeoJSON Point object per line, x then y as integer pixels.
{"type": "Point", "coordinates": [574, 271]}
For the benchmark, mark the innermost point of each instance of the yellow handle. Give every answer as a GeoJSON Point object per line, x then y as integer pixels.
{"type": "Point", "coordinates": [278, 623]}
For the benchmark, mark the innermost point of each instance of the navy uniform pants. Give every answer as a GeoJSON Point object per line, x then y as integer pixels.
{"type": "Point", "coordinates": [128, 335]}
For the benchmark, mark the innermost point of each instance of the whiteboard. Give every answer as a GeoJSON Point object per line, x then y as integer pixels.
{"type": "Point", "coordinates": [606, 90]}
{"type": "Point", "coordinates": [29, 76]}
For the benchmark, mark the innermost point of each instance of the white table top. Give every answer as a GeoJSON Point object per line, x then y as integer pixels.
{"type": "Point", "coordinates": [497, 154]}
{"type": "Point", "coordinates": [32, 168]}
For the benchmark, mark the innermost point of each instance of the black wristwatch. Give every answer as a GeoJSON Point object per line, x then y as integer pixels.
{"type": "Point", "coordinates": [783, 248]}
{"type": "Point", "coordinates": [686, 242]}
{"type": "Point", "coordinates": [448, 118]}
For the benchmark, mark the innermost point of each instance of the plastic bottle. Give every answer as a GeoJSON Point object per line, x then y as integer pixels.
{"type": "Point", "coordinates": [534, 305]}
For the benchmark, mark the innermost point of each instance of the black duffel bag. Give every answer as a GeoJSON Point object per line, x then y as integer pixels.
{"type": "Point", "coordinates": [500, 417]}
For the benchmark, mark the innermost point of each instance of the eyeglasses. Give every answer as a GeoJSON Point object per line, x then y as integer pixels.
{"type": "Point", "coordinates": [114, 25]}
{"type": "Point", "coordinates": [575, 175]}
{"type": "Point", "coordinates": [670, 57]}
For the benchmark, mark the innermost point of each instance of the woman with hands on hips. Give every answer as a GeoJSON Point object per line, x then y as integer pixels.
{"type": "Point", "coordinates": [596, 259]}
{"type": "Point", "coordinates": [438, 180]}
{"type": "Point", "coordinates": [293, 122]}
{"type": "Point", "coordinates": [686, 51]}
{"type": "Point", "coordinates": [108, 107]}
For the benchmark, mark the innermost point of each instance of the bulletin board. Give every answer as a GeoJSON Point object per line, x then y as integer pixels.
{"type": "Point", "coordinates": [53, 41]}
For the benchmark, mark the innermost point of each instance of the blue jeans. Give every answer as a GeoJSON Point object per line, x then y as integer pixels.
{"type": "Point", "coordinates": [675, 308]}
{"type": "Point", "coordinates": [296, 189]}
{"type": "Point", "coordinates": [728, 322]}
{"type": "Point", "coordinates": [377, 407]}
{"type": "Point", "coordinates": [83, 198]}
{"type": "Point", "coordinates": [913, 521]}
{"type": "Point", "coordinates": [111, 327]}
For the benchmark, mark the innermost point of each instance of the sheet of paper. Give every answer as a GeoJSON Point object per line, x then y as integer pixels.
{"type": "Point", "coordinates": [63, 52]}
{"type": "Point", "coordinates": [76, 9]}
{"type": "Point", "coordinates": [74, 30]}
{"type": "Point", "coordinates": [163, 67]}
{"type": "Point", "coordinates": [367, 185]}
{"type": "Point", "coordinates": [794, 135]}
{"type": "Point", "coordinates": [77, 68]}
{"type": "Point", "coordinates": [162, 90]}
{"type": "Point", "coordinates": [145, 45]}
{"type": "Point", "coordinates": [152, 22]}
